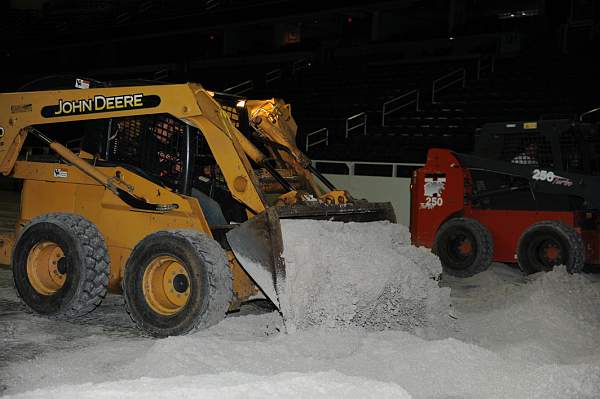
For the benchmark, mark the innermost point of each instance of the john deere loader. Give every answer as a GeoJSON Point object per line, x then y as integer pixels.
{"type": "Point", "coordinates": [172, 196]}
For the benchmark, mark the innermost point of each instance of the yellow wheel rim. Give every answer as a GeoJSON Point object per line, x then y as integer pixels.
{"type": "Point", "coordinates": [43, 268]}
{"type": "Point", "coordinates": [166, 285]}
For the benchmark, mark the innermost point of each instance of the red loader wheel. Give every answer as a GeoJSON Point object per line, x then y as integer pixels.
{"type": "Point", "coordinates": [550, 243]}
{"type": "Point", "coordinates": [465, 247]}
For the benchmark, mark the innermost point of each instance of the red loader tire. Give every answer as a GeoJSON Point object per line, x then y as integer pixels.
{"type": "Point", "coordinates": [550, 243]}
{"type": "Point", "coordinates": [464, 246]}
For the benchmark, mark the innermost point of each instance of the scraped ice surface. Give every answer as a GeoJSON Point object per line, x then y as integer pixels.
{"type": "Point", "coordinates": [360, 274]}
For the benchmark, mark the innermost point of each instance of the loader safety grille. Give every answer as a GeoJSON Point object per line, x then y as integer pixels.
{"type": "Point", "coordinates": [233, 115]}
{"type": "Point", "coordinates": [527, 149]}
{"type": "Point", "coordinates": [572, 152]}
{"type": "Point", "coordinates": [580, 150]}
{"type": "Point", "coordinates": [153, 143]}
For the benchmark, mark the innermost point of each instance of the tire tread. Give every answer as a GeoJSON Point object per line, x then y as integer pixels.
{"type": "Point", "coordinates": [487, 246]}
{"type": "Point", "coordinates": [573, 238]}
{"type": "Point", "coordinates": [220, 289]}
{"type": "Point", "coordinates": [96, 267]}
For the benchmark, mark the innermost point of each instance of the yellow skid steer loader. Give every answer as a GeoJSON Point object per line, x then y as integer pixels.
{"type": "Point", "coordinates": [173, 197]}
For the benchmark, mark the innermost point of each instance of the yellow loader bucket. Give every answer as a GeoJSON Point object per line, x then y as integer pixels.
{"type": "Point", "coordinates": [258, 243]}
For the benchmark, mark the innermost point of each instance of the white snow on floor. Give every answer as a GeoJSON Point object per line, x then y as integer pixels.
{"type": "Point", "coordinates": [324, 385]}
{"type": "Point", "coordinates": [511, 337]}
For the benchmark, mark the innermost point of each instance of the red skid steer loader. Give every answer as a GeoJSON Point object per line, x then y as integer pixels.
{"type": "Point", "coordinates": [530, 194]}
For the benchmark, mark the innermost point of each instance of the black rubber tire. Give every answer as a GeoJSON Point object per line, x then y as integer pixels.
{"type": "Point", "coordinates": [88, 265]}
{"type": "Point", "coordinates": [482, 247]}
{"type": "Point", "coordinates": [210, 282]}
{"type": "Point", "coordinates": [570, 245]}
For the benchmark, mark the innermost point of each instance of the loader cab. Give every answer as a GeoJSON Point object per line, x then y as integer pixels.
{"type": "Point", "coordinates": [170, 153]}
{"type": "Point", "coordinates": [562, 145]}
{"type": "Point", "coordinates": [555, 145]}
{"type": "Point", "coordinates": [159, 147]}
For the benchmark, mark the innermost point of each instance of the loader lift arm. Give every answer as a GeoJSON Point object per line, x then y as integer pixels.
{"type": "Point", "coordinates": [113, 184]}
{"type": "Point", "coordinates": [273, 126]}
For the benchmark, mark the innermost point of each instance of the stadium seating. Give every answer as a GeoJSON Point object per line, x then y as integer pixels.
{"type": "Point", "coordinates": [520, 88]}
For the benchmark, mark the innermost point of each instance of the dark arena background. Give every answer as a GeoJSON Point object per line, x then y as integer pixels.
{"type": "Point", "coordinates": [382, 81]}
{"type": "Point", "coordinates": [459, 138]}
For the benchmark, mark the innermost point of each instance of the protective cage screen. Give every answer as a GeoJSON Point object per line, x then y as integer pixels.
{"type": "Point", "coordinates": [153, 143]}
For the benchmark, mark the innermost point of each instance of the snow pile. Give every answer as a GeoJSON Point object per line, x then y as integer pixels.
{"type": "Point", "coordinates": [360, 274]}
{"type": "Point", "coordinates": [547, 317]}
{"type": "Point", "coordinates": [231, 386]}
{"type": "Point", "coordinates": [568, 294]}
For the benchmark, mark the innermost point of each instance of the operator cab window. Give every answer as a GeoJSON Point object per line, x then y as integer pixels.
{"type": "Point", "coordinates": [153, 143]}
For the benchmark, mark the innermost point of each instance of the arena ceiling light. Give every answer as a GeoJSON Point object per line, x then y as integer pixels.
{"type": "Point", "coordinates": [518, 14]}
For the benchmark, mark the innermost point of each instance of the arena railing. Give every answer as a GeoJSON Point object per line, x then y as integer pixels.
{"type": "Point", "coordinates": [396, 169]}
{"type": "Point", "coordinates": [272, 76]}
{"type": "Point", "coordinates": [356, 122]}
{"type": "Point", "coordinates": [395, 104]}
{"type": "Point", "coordinates": [240, 88]}
{"type": "Point", "coordinates": [450, 79]}
{"type": "Point", "coordinates": [485, 63]}
{"type": "Point", "coordinates": [322, 133]}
